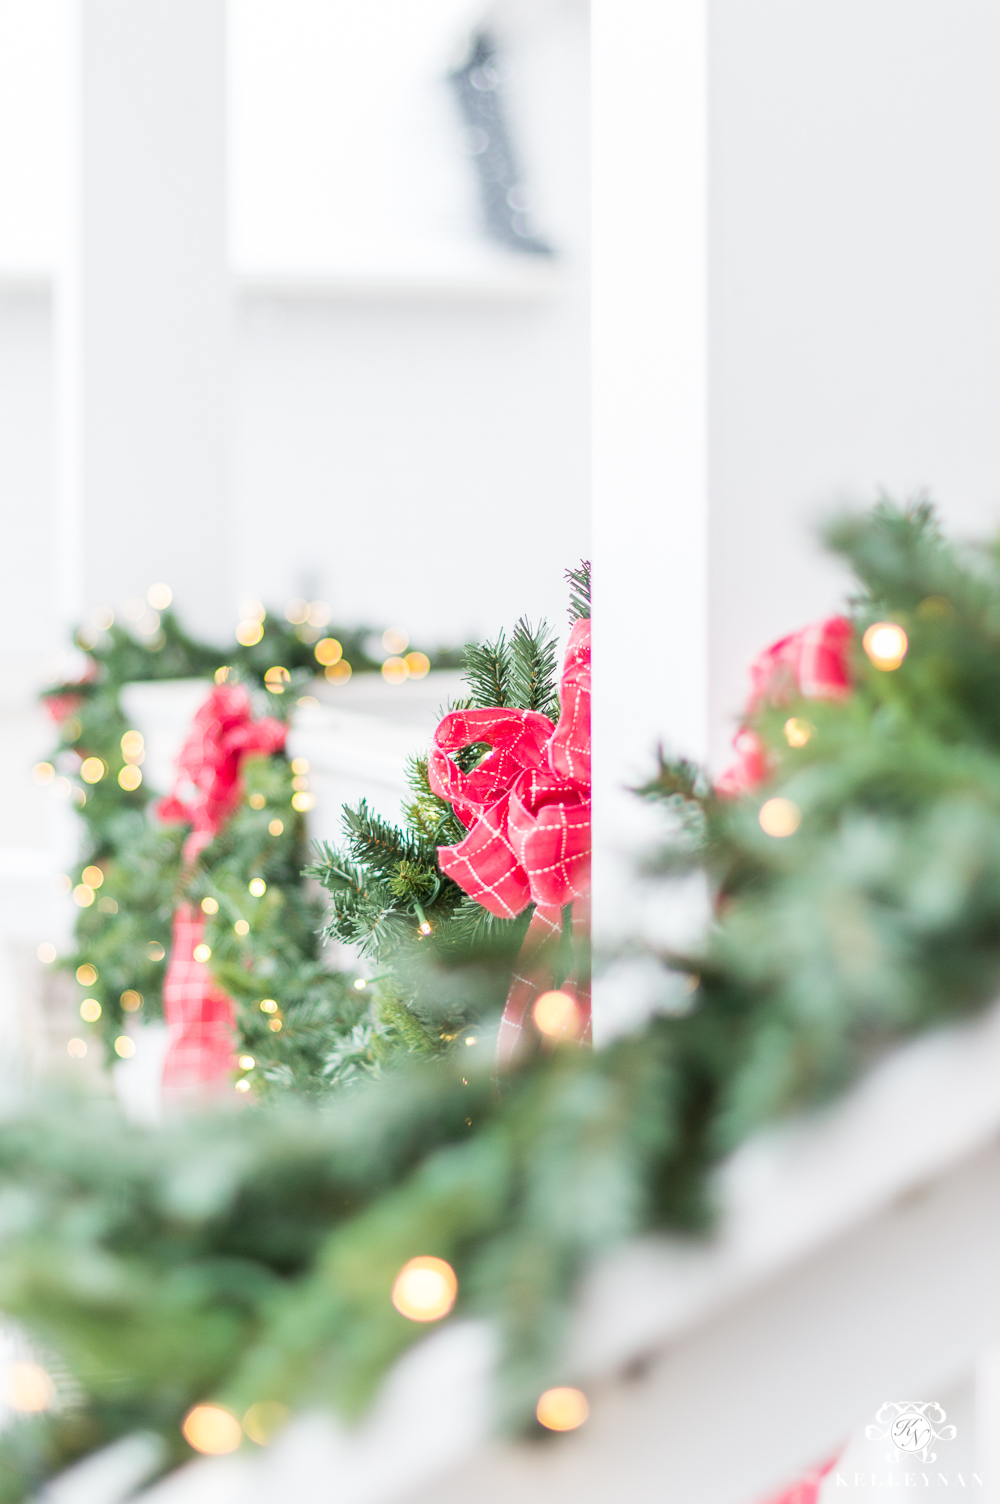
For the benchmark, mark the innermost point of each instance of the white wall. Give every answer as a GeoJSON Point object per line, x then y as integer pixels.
{"type": "Point", "coordinates": [855, 295]}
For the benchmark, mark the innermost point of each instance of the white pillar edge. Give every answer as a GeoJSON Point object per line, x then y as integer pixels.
{"type": "Point", "coordinates": [650, 416]}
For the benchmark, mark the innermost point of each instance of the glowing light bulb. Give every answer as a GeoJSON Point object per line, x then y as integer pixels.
{"type": "Point", "coordinates": [302, 802]}
{"type": "Point", "coordinates": [130, 778]}
{"type": "Point", "coordinates": [77, 1048]}
{"type": "Point", "coordinates": [268, 1005]}
{"type": "Point", "coordinates": [46, 953]}
{"type": "Point", "coordinates": [92, 770]}
{"type": "Point", "coordinates": [562, 1409]}
{"type": "Point", "coordinates": [276, 827]}
{"type": "Point", "coordinates": [395, 670]}
{"type": "Point", "coordinates": [361, 983]}
{"type": "Point", "coordinates": [159, 596]}
{"type": "Point", "coordinates": [256, 801]}
{"type": "Point", "coordinates": [275, 680]}
{"type": "Point", "coordinates": [886, 645]}
{"type": "Point", "coordinates": [212, 1430]}
{"type": "Point", "coordinates": [133, 745]}
{"type": "Point", "coordinates": [247, 1062]}
{"type": "Point", "coordinates": [93, 876]}
{"type": "Point", "coordinates": [423, 927]}
{"type": "Point", "coordinates": [86, 974]}
{"type": "Point", "coordinates": [209, 906]}
{"type": "Point", "coordinates": [124, 1047]}
{"type": "Point", "coordinates": [90, 1010]}
{"type": "Point", "coordinates": [301, 766]}
{"type": "Point", "coordinates": [328, 651]}
{"type": "Point", "coordinates": [241, 927]}
{"type": "Point", "coordinates": [779, 817]}
{"type": "Point", "coordinates": [242, 1085]}
{"type": "Point", "coordinates": [797, 731]}
{"type": "Point", "coordinates": [418, 664]}
{"type": "Point", "coordinates": [83, 896]}
{"type": "Point", "coordinates": [275, 1026]}
{"type": "Point", "coordinates": [203, 953]}
{"type": "Point", "coordinates": [395, 640]}
{"type": "Point", "coordinates": [264, 1420]}
{"type": "Point", "coordinates": [425, 1289]}
{"type": "Point", "coordinates": [338, 673]}
{"type": "Point", "coordinates": [258, 887]}
{"type": "Point", "coordinates": [155, 951]}
{"type": "Point", "coordinates": [248, 633]}
{"type": "Point", "coordinates": [556, 1015]}
{"type": "Point", "coordinates": [131, 1000]}
{"type": "Point", "coordinates": [43, 773]}
{"type": "Point", "coordinates": [29, 1389]}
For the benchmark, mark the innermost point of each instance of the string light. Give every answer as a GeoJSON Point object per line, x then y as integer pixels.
{"type": "Point", "coordinates": [248, 633]}
{"type": "Point", "coordinates": [77, 1048]}
{"type": "Point", "coordinates": [425, 1289]}
{"type": "Point", "coordinates": [209, 906]}
{"type": "Point", "coordinates": [307, 702]}
{"type": "Point", "coordinates": [256, 801]}
{"type": "Point", "coordinates": [297, 612]}
{"type": "Point", "coordinates": [222, 673]}
{"type": "Point", "coordinates": [93, 876]}
{"type": "Point", "coordinates": [155, 951]}
{"type": "Point", "coordinates": [62, 788]}
{"type": "Point", "coordinates": [46, 953]}
{"type": "Point", "coordinates": [247, 1062]}
{"type": "Point", "coordinates": [160, 596]}
{"type": "Point", "coordinates": [300, 766]}
{"type": "Point", "coordinates": [29, 1389]}
{"type": "Point", "coordinates": [258, 887]}
{"type": "Point", "coordinates": [886, 645]}
{"type": "Point", "coordinates": [103, 618]}
{"type": "Point", "coordinates": [107, 906]}
{"type": "Point", "coordinates": [92, 769]}
{"type": "Point", "coordinates": [276, 678]}
{"type": "Point", "coordinates": [133, 607]}
{"type": "Point", "coordinates": [90, 1010]}
{"type": "Point", "coordinates": [43, 773]}
{"type": "Point", "coordinates": [264, 1420]}
{"type": "Point", "coordinates": [124, 1047]}
{"type": "Point", "coordinates": [361, 983]}
{"type": "Point", "coordinates": [395, 671]}
{"type": "Point", "coordinates": [318, 614]}
{"type": "Point", "coordinates": [241, 927]}
{"type": "Point", "coordinates": [130, 778]}
{"type": "Point", "coordinates": [252, 610]}
{"type": "Point", "coordinates": [275, 1025]}
{"type": "Point", "coordinates": [131, 1000]}
{"type": "Point", "coordinates": [83, 896]}
{"type": "Point", "coordinates": [470, 1039]}
{"type": "Point", "coordinates": [328, 650]}
{"type": "Point", "coordinates": [242, 1085]}
{"type": "Point", "coordinates": [395, 640]}
{"type": "Point", "coordinates": [203, 953]}
{"type": "Point", "coordinates": [798, 732]}
{"type": "Point", "coordinates": [276, 827]}
{"type": "Point", "coordinates": [556, 1015]}
{"type": "Point", "coordinates": [86, 974]}
{"type": "Point", "coordinates": [418, 664]}
{"type": "Point", "coordinates": [211, 1430]}
{"type": "Point", "coordinates": [779, 817]}
{"type": "Point", "coordinates": [133, 745]}
{"type": "Point", "coordinates": [302, 802]}
{"type": "Point", "coordinates": [300, 784]}
{"type": "Point", "coordinates": [338, 673]}
{"type": "Point", "coordinates": [423, 927]}
{"type": "Point", "coordinates": [562, 1409]}
{"type": "Point", "coordinates": [268, 1005]}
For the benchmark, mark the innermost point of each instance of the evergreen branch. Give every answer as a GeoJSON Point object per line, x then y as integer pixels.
{"type": "Point", "coordinates": [487, 673]}
{"type": "Point", "coordinates": [579, 582]}
{"type": "Point", "coordinates": [533, 677]}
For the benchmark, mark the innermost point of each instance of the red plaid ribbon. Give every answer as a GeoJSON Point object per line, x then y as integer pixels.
{"type": "Point", "coordinates": [198, 1014]}
{"type": "Point", "coordinates": [812, 664]}
{"type": "Point", "coordinates": [806, 1490]}
{"type": "Point", "coordinates": [527, 806]}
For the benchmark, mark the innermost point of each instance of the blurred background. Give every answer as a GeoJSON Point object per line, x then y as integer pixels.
{"type": "Point", "coordinates": [293, 304]}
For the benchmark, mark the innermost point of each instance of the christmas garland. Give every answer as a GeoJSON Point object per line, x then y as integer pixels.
{"type": "Point", "coordinates": [131, 875]}
{"type": "Point", "coordinates": [251, 1259]}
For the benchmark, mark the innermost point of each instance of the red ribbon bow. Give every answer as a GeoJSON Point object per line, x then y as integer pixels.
{"type": "Point", "coordinates": [527, 806]}
{"type": "Point", "coordinates": [207, 790]}
{"type": "Point", "coordinates": [811, 664]}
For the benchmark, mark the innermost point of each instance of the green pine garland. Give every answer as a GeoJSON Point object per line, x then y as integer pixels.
{"type": "Point", "coordinates": [124, 935]}
{"type": "Point", "coordinates": [250, 1257]}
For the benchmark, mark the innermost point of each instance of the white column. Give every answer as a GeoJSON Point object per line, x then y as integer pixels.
{"type": "Point", "coordinates": [650, 347]}
{"type": "Point", "coordinates": [143, 312]}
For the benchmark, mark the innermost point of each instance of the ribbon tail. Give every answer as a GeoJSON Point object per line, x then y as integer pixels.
{"type": "Point", "coordinates": [199, 1016]}
{"type": "Point", "coordinates": [535, 974]}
